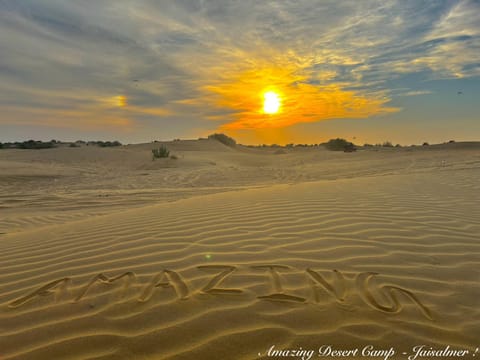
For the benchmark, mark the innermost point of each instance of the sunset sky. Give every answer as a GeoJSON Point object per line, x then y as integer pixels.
{"type": "Point", "coordinates": [135, 71]}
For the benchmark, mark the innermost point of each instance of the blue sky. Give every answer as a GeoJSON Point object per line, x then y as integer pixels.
{"type": "Point", "coordinates": [143, 70]}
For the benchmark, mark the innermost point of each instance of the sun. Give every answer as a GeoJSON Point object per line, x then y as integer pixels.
{"type": "Point", "coordinates": [271, 102]}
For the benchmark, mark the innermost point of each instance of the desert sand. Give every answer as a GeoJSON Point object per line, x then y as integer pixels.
{"type": "Point", "coordinates": [225, 252]}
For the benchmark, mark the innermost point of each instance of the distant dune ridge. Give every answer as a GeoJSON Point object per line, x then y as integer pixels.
{"type": "Point", "coordinates": [223, 251]}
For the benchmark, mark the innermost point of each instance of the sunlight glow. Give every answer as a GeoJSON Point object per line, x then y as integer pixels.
{"type": "Point", "coordinates": [267, 98]}
{"type": "Point", "coordinates": [271, 103]}
{"type": "Point", "coordinates": [120, 101]}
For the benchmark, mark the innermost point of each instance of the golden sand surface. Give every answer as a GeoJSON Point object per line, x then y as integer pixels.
{"type": "Point", "coordinates": [228, 253]}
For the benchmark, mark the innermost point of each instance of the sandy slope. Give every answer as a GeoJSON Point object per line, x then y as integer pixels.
{"type": "Point", "coordinates": [223, 253]}
{"type": "Point", "coordinates": [52, 186]}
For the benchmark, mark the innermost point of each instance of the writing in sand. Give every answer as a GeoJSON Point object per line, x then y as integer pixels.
{"type": "Point", "coordinates": [338, 287]}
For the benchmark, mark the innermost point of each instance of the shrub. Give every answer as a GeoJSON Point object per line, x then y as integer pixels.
{"type": "Point", "coordinates": [109, 143]}
{"type": "Point", "coordinates": [224, 139]}
{"type": "Point", "coordinates": [451, 141]}
{"type": "Point", "coordinates": [387, 144]}
{"type": "Point", "coordinates": [8, 145]}
{"type": "Point", "coordinates": [33, 144]}
{"type": "Point", "coordinates": [338, 144]}
{"type": "Point", "coordinates": [349, 148]}
{"type": "Point", "coordinates": [425, 144]}
{"type": "Point", "coordinates": [161, 152]}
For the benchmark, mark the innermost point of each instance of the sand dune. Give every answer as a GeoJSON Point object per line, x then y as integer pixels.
{"type": "Point", "coordinates": [225, 252]}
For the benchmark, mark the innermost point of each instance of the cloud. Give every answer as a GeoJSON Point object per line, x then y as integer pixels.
{"type": "Point", "coordinates": [206, 63]}
{"type": "Point", "coordinates": [416, 93]}
{"type": "Point", "coordinates": [301, 102]}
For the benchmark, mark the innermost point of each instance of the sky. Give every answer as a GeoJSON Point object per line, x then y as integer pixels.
{"type": "Point", "coordinates": [405, 71]}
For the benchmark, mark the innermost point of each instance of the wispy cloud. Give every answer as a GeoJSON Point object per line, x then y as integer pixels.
{"type": "Point", "coordinates": [416, 93]}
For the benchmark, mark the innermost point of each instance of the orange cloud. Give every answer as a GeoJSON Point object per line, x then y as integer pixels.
{"type": "Point", "coordinates": [120, 103]}
{"type": "Point", "coordinates": [114, 112]}
{"type": "Point", "coordinates": [301, 102]}
{"type": "Point", "coordinates": [82, 119]}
